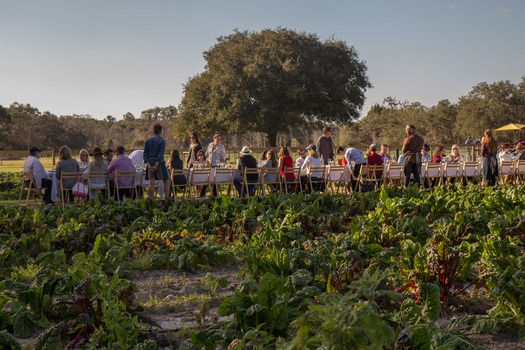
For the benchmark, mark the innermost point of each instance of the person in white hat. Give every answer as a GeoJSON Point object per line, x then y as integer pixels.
{"type": "Point", "coordinates": [34, 166]}
{"type": "Point", "coordinates": [246, 161]}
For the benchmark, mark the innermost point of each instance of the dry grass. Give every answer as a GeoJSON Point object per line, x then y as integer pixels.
{"type": "Point", "coordinates": [16, 166]}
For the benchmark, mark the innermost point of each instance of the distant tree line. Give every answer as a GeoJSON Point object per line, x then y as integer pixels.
{"type": "Point", "coordinates": [486, 106]}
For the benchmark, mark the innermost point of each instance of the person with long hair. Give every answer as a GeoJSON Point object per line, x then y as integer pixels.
{"type": "Point", "coordinates": [67, 164]}
{"type": "Point", "coordinates": [489, 150]}
{"type": "Point", "coordinates": [195, 146]}
{"type": "Point", "coordinates": [285, 161]}
{"type": "Point", "coordinates": [176, 163]}
{"type": "Point", "coordinates": [83, 155]}
{"type": "Point", "coordinates": [438, 155]}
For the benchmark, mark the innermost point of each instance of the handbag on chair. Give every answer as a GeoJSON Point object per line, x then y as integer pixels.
{"type": "Point", "coordinates": [80, 189]}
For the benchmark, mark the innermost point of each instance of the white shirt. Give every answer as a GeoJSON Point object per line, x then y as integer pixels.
{"type": "Point", "coordinates": [299, 162]}
{"type": "Point", "coordinates": [311, 161]}
{"type": "Point", "coordinates": [34, 166]}
{"type": "Point", "coordinates": [137, 157]}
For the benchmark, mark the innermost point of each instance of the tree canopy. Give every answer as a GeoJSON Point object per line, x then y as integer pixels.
{"type": "Point", "coordinates": [271, 81]}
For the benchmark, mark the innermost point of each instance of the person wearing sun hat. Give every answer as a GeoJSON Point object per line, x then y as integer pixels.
{"type": "Point", "coordinates": [246, 161]}
{"type": "Point", "coordinates": [34, 166]}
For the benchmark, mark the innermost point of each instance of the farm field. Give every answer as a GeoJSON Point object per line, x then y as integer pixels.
{"type": "Point", "coordinates": [380, 270]}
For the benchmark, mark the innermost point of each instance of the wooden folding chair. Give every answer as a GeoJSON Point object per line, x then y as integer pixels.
{"type": "Point", "coordinates": [335, 179]}
{"type": "Point", "coordinates": [318, 181]}
{"type": "Point", "coordinates": [131, 188]}
{"type": "Point", "coordinates": [519, 172]}
{"type": "Point", "coordinates": [250, 173]}
{"type": "Point", "coordinates": [394, 175]}
{"type": "Point", "coordinates": [98, 184]}
{"type": "Point", "coordinates": [369, 176]}
{"type": "Point", "coordinates": [452, 171]}
{"type": "Point", "coordinates": [267, 176]}
{"type": "Point", "coordinates": [471, 172]}
{"type": "Point", "coordinates": [29, 185]}
{"type": "Point", "coordinates": [197, 179]}
{"type": "Point", "coordinates": [66, 192]}
{"type": "Point", "coordinates": [296, 183]}
{"type": "Point", "coordinates": [224, 178]}
{"type": "Point", "coordinates": [433, 174]}
{"type": "Point", "coordinates": [177, 173]}
{"type": "Point", "coordinates": [506, 172]}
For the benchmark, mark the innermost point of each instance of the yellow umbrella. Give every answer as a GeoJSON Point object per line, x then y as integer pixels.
{"type": "Point", "coordinates": [512, 126]}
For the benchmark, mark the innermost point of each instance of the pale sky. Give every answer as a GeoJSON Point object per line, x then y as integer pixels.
{"type": "Point", "coordinates": [110, 57]}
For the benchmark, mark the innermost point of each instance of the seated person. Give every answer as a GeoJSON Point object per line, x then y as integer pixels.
{"type": "Point", "coordinates": [271, 162]}
{"type": "Point", "coordinates": [83, 163]}
{"type": "Point", "coordinates": [425, 156]}
{"type": "Point", "coordinates": [120, 163]}
{"type": "Point", "coordinates": [285, 161]}
{"type": "Point", "coordinates": [312, 160]}
{"type": "Point", "coordinates": [375, 159]}
{"type": "Point", "coordinates": [454, 156]}
{"type": "Point", "coordinates": [108, 155]}
{"type": "Point", "coordinates": [34, 166]}
{"type": "Point", "coordinates": [506, 153]}
{"type": "Point", "coordinates": [384, 153]}
{"type": "Point", "coordinates": [177, 163]}
{"type": "Point", "coordinates": [67, 164]}
{"type": "Point", "coordinates": [302, 156]}
{"type": "Point", "coordinates": [97, 165]}
{"type": "Point", "coordinates": [438, 155]}
{"type": "Point", "coordinates": [246, 161]}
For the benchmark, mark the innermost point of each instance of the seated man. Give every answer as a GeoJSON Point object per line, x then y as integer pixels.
{"type": "Point", "coordinates": [375, 159]}
{"type": "Point", "coordinates": [302, 156]}
{"type": "Point", "coordinates": [34, 166]}
{"type": "Point", "coordinates": [246, 161]}
{"type": "Point", "coordinates": [120, 163]}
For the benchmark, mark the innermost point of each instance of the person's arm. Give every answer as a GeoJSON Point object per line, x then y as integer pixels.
{"type": "Point", "coordinates": [222, 154]}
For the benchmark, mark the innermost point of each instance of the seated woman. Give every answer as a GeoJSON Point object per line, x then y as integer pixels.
{"type": "Point", "coordinates": [97, 165]}
{"type": "Point", "coordinates": [285, 161]}
{"type": "Point", "coordinates": [454, 156]}
{"type": "Point", "coordinates": [271, 162]}
{"type": "Point", "coordinates": [375, 159]}
{"type": "Point", "coordinates": [438, 155]}
{"type": "Point", "coordinates": [67, 164]}
{"type": "Point", "coordinates": [177, 163]}
{"type": "Point", "coordinates": [83, 155]}
{"type": "Point", "coordinates": [312, 160]}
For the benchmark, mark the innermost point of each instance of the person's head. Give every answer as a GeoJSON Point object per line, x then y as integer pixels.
{"type": "Point", "coordinates": [120, 150]}
{"type": "Point", "coordinates": [327, 131]}
{"type": "Point", "coordinates": [410, 129]}
{"type": "Point", "coordinates": [384, 148]}
{"type": "Point", "coordinates": [157, 129]}
{"type": "Point", "coordinates": [217, 138]}
{"type": "Point", "coordinates": [263, 154]}
{"type": "Point", "coordinates": [108, 154]}
{"type": "Point", "coordinates": [174, 155]}
{"type": "Point", "coordinates": [340, 150]}
{"type": "Point", "coordinates": [270, 156]}
{"type": "Point", "coordinates": [489, 141]}
{"type": "Point", "coordinates": [312, 151]}
{"type": "Point", "coordinates": [194, 138]}
{"type": "Point", "coordinates": [35, 151]}
{"type": "Point", "coordinates": [455, 150]}
{"type": "Point", "coordinates": [200, 156]}
{"type": "Point", "coordinates": [64, 152]}
{"type": "Point", "coordinates": [97, 154]}
{"type": "Point", "coordinates": [439, 151]}
{"type": "Point", "coordinates": [373, 148]}
{"type": "Point", "coordinates": [83, 155]}
{"type": "Point", "coordinates": [245, 151]}
{"type": "Point", "coordinates": [301, 153]}
{"type": "Point", "coordinates": [425, 149]}
{"type": "Point", "coordinates": [283, 151]}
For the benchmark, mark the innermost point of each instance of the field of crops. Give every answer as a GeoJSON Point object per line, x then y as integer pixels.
{"type": "Point", "coordinates": [381, 270]}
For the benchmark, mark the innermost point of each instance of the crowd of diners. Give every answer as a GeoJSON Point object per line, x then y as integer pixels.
{"type": "Point", "coordinates": [415, 153]}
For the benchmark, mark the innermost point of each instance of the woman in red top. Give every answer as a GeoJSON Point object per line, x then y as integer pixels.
{"type": "Point", "coordinates": [438, 156]}
{"type": "Point", "coordinates": [285, 161]}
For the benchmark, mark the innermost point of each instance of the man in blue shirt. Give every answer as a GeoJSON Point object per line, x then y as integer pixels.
{"type": "Point", "coordinates": [154, 158]}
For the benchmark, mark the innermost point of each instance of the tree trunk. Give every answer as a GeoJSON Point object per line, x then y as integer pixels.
{"type": "Point", "coordinates": [272, 138]}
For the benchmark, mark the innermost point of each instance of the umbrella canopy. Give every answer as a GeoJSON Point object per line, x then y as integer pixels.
{"type": "Point", "coordinates": [512, 126]}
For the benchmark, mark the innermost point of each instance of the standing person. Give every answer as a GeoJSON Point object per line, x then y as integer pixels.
{"type": "Point", "coordinates": [353, 155]}
{"type": "Point", "coordinates": [216, 154]}
{"type": "Point", "coordinates": [120, 163]}
{"type": "Point", "coordinates": [341, 152]}
{"type": "Point", "coordinates": [195, 146]}
{"type": "Point", "coordinates": [246, 161]}
{"type": "Point", "coordinates": [68, 164]}
{"type": "Point", "coordinates": [412, 154]}
{"type": "Point", "coordinates": [34, 166]}
{"type": "Point", "coordinates": [154, 158]}
{"type": "Point", "coordinates": [489, 150]}
{"type": "Point", "coordinates": [325, 145]}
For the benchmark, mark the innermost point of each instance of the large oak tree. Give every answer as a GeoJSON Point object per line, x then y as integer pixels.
{"type": "Point", "coordinates": [272, 80]}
